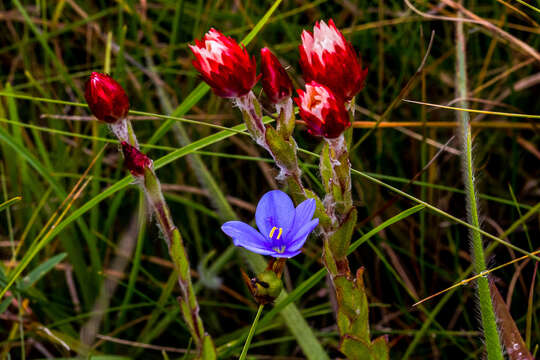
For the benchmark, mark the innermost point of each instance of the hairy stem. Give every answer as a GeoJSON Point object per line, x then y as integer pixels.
{"type": "Point", "coordinates": [188, 302]}
{"type": "Point", "coordinates": [494, 350]}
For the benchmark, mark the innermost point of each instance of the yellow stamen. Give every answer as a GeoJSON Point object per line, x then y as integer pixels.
{"type": "Point", "coordinates": [279, 250]}
{"type": "Point", "coordinates": [272, 232]}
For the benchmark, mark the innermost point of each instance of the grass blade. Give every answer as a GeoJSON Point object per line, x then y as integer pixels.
{"type": "Point", "coordinates": [251, 333]}
{"type": "Point", "coordinates": [9, 202]}
{"type": "Point", "coordinates": [40, 271]}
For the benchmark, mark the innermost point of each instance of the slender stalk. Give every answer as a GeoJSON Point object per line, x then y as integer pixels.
{"type": "Point", "coordinates": [251, 333]}
{"type": "Point", "coordinates": [188, 301]}
{"type": "Point", "coordinates": [489, 325]}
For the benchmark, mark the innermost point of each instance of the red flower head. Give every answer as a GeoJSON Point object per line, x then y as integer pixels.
{"type": "Point", "coordinates": [327, 58]}
{"type": "Point", "coordinates": [135, 161]}
{"type": "Point", "coordinates": [275, 81]}
{"type": "Point", "coordinates": [106, 98]}
{"type": "Point", "coordinates": [224, 65]}
{"type": "Point", "coordinates": [324, 113]}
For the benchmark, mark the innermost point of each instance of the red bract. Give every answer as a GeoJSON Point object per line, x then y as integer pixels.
{"type": "Point", "coordinates": [135, 161]}
{"type": "Point", "coordinates": [106, 98]}
{"type": "Point", "coordinates": [327, 58]}
{"type": "Point", "coordinates": [275, 81]}
{"type": "Point", "coordinates": [324, 113]}
{"type": "Point", "coordinates": [224, 65]}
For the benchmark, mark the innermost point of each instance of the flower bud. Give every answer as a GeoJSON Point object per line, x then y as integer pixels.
{"type": "Point", "coordinates": [327, 58]}
{"type": "Point", "coordinates": [106, 98]}
{"type": "Point", "coordinates": [324, 113]}
{"type": "Point", "coordinates": [135, 161]}
{"type": "Point", "coordinates": [275, 81]}
{"type": "Point", "coordinates": [266, 287]}
{"type": "Point", "coordinates": [224, 65]}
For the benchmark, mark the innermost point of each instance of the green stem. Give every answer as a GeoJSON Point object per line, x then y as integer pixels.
{"type": "Point", "coordinates": [251, 333]}
{"type": "Point", "coordinates": [188, 301]}
{"type": "Point", "coordinates": [489, 324]}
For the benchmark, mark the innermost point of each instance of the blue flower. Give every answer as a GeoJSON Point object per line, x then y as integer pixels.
{"type": "Point", "coordinates": [283, 230]}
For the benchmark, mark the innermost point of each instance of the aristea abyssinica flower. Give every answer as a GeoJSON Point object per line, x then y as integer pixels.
{"type": "Point", "coordinates": [283, 230]}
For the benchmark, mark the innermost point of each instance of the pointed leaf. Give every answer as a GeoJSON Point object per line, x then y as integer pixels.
{"type": "Point", "coordinates": [9, 202]}
{"type": "Point", "coordinates": [40, 271]}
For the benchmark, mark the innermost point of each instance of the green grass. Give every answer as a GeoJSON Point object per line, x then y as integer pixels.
{"type": "Point", "coordinates": [414, 242]}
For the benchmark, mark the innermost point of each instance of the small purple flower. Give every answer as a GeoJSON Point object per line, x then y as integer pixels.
{"type": "Point", "coordinates": [283, 230]}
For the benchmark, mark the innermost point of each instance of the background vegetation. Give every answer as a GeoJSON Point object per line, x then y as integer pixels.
{"type": "Point", "coordinates": [97, 279]}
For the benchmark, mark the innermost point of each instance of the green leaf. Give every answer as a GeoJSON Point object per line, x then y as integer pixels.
{"type": "Point", "coordinates": [320, 212]}
{"type": "Point", "coordinates": [353, 312]}
{"type": "Point", "coordinates": [379, 349]}
{"type": "Point", "coordinates": [355, 349]}
{"type": "Point", "coordinates": [9, 202]}
{"type": "Point", "coordinates": [340, 240]}
{"type": "Point", "coordinates": [284, 151]}
{"type": "Point", "coordinates": [40, 271]}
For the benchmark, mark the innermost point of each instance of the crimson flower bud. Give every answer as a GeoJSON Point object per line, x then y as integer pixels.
{"type": "Point", "coordinates": [135, 161]}
{"type": "Point", "coordinates": [106, 98]}
{"type": "Point", "coordinates": [275, 81]}
{"type": "Point", "coordinates": [224, 65]}
{"type": "Point", "coordinates": [324, 113]}
{"type": "Point", "coordinates": [327, 58]}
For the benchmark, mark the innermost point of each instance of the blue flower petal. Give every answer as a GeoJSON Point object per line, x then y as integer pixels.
{"type": "Point", "coordinates": [247, 237]}
{"type": "Point", "coordinates": [303, 214]}
{"type": "Point", "coordinates": [300, 237]}
{"type": "Point", "coordinates": [274, 209]}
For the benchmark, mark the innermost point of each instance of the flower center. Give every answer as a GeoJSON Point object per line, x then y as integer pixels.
{"type": "Point", "coordinates": [315, 100]}
{"type": "Point", "coordinates": [280, 249]}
